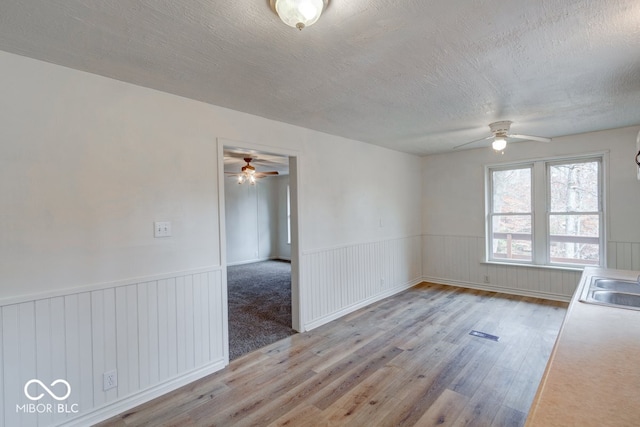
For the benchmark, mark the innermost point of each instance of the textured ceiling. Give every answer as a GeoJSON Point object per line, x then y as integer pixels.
{"type": "Point", "coordinates": [420, 76]}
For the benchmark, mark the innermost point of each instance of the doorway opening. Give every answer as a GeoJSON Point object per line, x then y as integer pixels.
{"type": "Point", "coordinates": [259, 238]}
{"type": "Point", "coordinates": [259, 301]}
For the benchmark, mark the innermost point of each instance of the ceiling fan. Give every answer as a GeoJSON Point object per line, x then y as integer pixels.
{"type": "Point", "coordinates": [500, 133]}
{"type": "Point", "coordinates": [248, 173]}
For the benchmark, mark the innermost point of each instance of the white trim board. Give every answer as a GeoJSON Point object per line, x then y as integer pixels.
{"type": "Point", "coordinates": [365, 242]}
{"type": "Point", "coordinates": [18, 299]}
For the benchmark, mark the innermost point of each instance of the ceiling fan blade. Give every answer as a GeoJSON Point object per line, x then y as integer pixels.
{"type": "Point", "coordinates": [263, 174]}
{"type": "Point", "coordinates": [529, 137]}
{"type": "Point", "coordinates": [472, 142]}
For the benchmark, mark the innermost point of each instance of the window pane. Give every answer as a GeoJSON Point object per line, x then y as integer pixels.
{"type": "Point", "coordinates": [511, 191]}
{"type": "Point", "coordinates": [574, 187]}
{"type": "Point", "coordinates": [511, 238]}
{"type": "Point", "coordinates": [574, 239]}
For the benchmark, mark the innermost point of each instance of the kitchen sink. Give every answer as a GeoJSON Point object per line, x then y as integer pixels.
{"type": "Point", "coordinates": [616, 298]}
{"type": "Point", "coordinates": [617, 285]}
{"type": "Point", "coordinates": [613, 293]}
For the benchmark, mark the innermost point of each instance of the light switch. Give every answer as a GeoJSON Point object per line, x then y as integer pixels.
{"type": "Point", "coordinates": [162, 229]}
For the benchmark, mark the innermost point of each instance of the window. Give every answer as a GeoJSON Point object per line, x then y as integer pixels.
{"type": "Point", "coordinates": [511, 216]}
{"type": "Point", "coordinates": [546, 212]}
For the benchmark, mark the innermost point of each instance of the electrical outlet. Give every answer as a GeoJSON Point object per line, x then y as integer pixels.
{"type": "Point", "coordinates": [486, 279]}
{"type": "Point", "coordinates": [382, 282]}
{"type": "Point", "coordinates": [109, 380]}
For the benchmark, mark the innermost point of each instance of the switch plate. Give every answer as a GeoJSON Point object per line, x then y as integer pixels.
{"type": "Point", "coordinates": [162, 229]}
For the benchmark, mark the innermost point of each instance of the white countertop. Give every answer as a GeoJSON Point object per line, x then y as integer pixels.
{"type": "Point", "coordinates": [593, 375]}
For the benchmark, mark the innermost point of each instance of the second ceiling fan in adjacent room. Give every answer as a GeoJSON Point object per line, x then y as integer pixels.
{"type": "Point", "coordinates": [249, 174]}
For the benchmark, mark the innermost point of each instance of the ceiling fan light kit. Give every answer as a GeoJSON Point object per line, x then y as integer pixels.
{"type": "Point", "coordinates": [500, 134]}
{"type": "Point", "coordinates": [248, 173]}
{"type": "Point", "coordinates": [299, 13]}
{"type": "Point", "coordinates": [499, 143]}
{"type": "Point", "coordinates": [499, 130]}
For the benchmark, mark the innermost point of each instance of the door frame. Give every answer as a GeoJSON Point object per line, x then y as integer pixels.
{"type": "Point", "coordinates": [296, 255]}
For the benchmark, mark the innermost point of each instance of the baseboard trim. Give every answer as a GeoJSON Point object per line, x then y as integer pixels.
{"type": "Point", "coordinates": [500, 289]}
{"type": "Point", "coordinates": [118, 407]}
{"type": "Point", "coordinates": [353, 307]}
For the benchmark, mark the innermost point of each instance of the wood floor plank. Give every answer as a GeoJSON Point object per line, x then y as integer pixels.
{"type": "Point", "coordinates": [407, 360]}
{"type": "Point", "coordinates": [240, 403]}
{"type": "Point", "coordinates": [508, 417]}
{"type": "Point", "coordinates": [416, 403]}
{"type": "Point", "coordinates": [332, 380]}
{"type": "Point", "coordinates": [445, 410]}
{"type": "Point", "coordinates": [341, 386]}
{"type": "Point", "coordinates": [371, 400]}
{"type": "Point", "coordinates": [479, 411]}
{"type": "Point", "coordinates": [475, 372]}
{"type": "Point", "coordinates": [177, 402]}
{"type": "Point", "coordinates": [331, 355]}
{"type": "Point", "coordinates": [304, 415]}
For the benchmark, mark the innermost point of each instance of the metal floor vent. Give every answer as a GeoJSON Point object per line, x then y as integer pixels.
{"type": "Point", "coordinates": [484, 335]}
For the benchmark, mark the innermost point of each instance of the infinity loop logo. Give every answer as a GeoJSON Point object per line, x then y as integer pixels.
{"type": "Point", "coordinates": [47, 389]}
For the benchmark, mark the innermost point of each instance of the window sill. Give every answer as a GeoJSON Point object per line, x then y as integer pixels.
{"type": "Point", "coordinates": [545, 267]}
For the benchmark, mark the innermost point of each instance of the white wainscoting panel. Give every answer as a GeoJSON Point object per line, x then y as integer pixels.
{"type": "Point", "coordinates": [153, 333]}
{"type": "Point", "coordinates": [340, 280]}
{"type": "Point", "coordinates": [624, 256]}
{"type": "Point", "coordinates": [458, 260]}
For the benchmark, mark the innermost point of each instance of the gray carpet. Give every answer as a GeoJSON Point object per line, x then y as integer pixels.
{"type": "Point", "coordinates": [259, 305]}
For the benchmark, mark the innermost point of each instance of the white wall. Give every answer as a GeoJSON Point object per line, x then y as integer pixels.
{"type": "Point", "coordinates": [453, 213]}
{"type": "Point", "coordinates": [359, 196]}
{"type": "Point", "coordinates": [252, 220]}
{"type": "Point", "coordinates": [89, 163]}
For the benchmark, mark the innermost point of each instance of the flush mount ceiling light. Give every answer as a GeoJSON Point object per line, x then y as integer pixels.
{"type": "Point", "coordinates": [299, 13]}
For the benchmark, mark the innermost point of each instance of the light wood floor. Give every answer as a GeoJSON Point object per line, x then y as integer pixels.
{"type": "Point", "coordinates": [404, 361]}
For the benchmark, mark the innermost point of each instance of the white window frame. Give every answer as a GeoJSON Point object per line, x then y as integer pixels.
{"type": "Point", "coordinates": [541, 201]}
{"type": "Point", "coordinates": [490, 214]}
